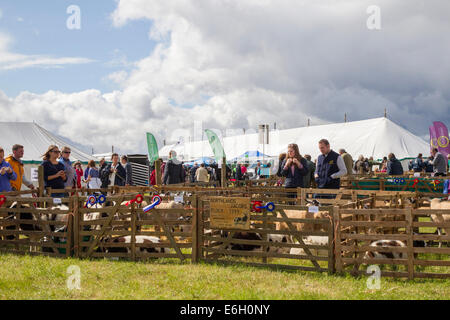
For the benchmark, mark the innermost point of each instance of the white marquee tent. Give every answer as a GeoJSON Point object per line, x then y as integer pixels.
{"type": "Point", "coordinates": [35, 140]}
{"type": "Point", "coordinates": [371, 138]}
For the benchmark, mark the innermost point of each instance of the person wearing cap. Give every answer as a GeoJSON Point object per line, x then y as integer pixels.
{"type": "Point", "coordinates": [16, 164]}
{"type": "Point", "coordinates": [6, 173]}
{"type": "Point", "coordinates": [348, 160]}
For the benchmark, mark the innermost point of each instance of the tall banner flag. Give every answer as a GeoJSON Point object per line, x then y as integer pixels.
{"type": "Point", "coordinates": [442, 141]}
{"type": "Point", "coordinates": [216, 146]}
{"type": "Point", "coordinates": [152, 148]}
{"type": "Point", "coordinates": [433, 138]}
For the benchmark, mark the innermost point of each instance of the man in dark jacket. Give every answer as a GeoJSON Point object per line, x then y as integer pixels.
{"type": "Point", "coordinates": [238, 172]}
{"type": "Point", "coordinates": [330, 167]}
{"type": "Point", "coordinates": [192, 172]}
{"type": "Point", "coordinates": [173, 171]}
{"type": "Point", "coordinates": [394, 167]}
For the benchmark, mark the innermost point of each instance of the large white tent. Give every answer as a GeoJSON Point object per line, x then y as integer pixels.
{"type": "Point", "coordinates": [372, 138]}
{"type": "Point", "coordinates": [35, 140]}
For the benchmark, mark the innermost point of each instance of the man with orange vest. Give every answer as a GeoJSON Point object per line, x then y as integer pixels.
{"type": "Point", "coordinates": [17, 166]}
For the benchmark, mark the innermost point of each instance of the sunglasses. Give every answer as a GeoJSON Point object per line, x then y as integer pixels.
{"type": "Point", "coordinates": [56, 151]}
{"type": "Point", "coordinates": [67, 152]}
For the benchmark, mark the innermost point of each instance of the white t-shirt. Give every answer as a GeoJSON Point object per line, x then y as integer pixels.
{"type": "Point", "coordinates": [112, 177]}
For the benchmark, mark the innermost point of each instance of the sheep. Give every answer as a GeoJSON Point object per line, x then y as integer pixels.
{"type": "Point", "coordinates": [171, 205]}
{"type": "Point", "coordinates": [186, 228]}
{"type": "Point", "coordinates": [380, 254]}
{"type": "Point", "coordinates": [437, 204]}
{"type": "Point", "coordinates": [312, 241]}
{"type": "Point", "coordinates": [243, 235]}
{"type": "Point", "coordinates": [302, 227]}
{"type": "Point", "coordinates": [279, 238]}
{"type": "Point", "coordinates": [140, 240]}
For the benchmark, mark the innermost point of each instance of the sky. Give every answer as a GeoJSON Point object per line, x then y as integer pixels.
{"type": "Point", "coordinates": [139, 66]}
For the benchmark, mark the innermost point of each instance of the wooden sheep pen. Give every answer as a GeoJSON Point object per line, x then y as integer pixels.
{"type": "Point", "coordinates": [117, 231]}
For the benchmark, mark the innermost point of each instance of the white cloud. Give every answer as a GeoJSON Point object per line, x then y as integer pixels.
{"type": "Point", "coordinates": [118, 77]}
{"type": "Point", "coordinates": [12, 61]}
{"type": "Point", "coordinates": [240, 63]}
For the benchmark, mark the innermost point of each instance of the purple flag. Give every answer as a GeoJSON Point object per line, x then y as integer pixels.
{"type": "Point", "coordinates": [442, 141]}
{"type": "Point", "coordinates": [433, 138]}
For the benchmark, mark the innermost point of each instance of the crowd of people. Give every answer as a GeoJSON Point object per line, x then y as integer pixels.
{"type": "Point", "coordinates": [174, 171]}
{"type": "Point", "coordinates": [299, 171]}
{"type": "Point", "coordinates": [61, 173]}
{"type": "Point", "coordinates": [326, 171]}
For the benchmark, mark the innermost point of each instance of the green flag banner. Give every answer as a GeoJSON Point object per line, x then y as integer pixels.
{"type": "Point", "coordinates": [152, 148]}
{"type": "Point", "coordinates": [216, 146]}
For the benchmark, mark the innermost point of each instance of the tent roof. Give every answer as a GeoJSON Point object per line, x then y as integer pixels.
{"type": "Point", "coordinates": [35, 140]}
{"type": "Point", "coordinates": [372, 138]}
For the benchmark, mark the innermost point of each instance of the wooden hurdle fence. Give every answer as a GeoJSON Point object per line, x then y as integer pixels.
{"type": "Point", "coordinates": [218, 244]}
{"type": "Point", "coordinates": [357, 230]}
{"type": "Point", "coordinates": [31, 224]}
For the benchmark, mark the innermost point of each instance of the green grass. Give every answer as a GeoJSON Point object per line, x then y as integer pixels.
{"type": "Point", "coordinates": [25, 277]}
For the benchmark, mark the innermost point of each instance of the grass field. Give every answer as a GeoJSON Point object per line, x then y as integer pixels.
{"type": "Point", "coordinates": [25, 277]}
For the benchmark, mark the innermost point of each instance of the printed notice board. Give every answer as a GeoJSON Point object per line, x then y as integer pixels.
{"type": "Point", "coordinates": [230, 213]}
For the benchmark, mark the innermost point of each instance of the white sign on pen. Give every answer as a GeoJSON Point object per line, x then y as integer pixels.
{"type": "Point", "coordinates": [34, 175]}
{"type": "Point", "coordinates": [313, 209]}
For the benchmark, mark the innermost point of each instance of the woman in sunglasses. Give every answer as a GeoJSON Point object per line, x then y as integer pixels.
{"type": "Point", "coordinates": [54, 174]}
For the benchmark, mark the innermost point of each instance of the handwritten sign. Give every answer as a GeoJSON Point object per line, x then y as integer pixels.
{"type": "Point", "coordinates": [230, 213]}
{"type": "Point", "coordinates": [34, 175]}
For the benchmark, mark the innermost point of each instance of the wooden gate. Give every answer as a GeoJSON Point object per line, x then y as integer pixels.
{"type": "Point", "coordinates": [36, 226]}
{"type": "Point", "coordinates": [290, 237]}
{"type": "Point", "coordinates": [124, 231]}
